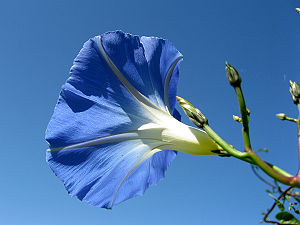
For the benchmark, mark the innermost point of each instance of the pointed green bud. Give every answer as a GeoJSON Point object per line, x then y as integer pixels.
{"type": "Point", "coordinates": [233, 75]}
{"type": "Point", "coordinates": [295, 91]}
{"type": "Point", "coordinates": [237, 119]}
{"type": "Point", "coordinates": [248, 111]}
{"type": "Point", "coordinates": [281, 116]}
{"type": "Point", "coordinates": [194, 114]}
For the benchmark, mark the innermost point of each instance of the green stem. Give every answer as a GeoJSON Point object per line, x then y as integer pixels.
{"type": "Point", "coordinates": [291, 119]}
{"type": "Point", "coordinates": [227, 147]}
{"type": "Point", "coordinates": [278, 170]}
{"type": "Point", "coordinates": [251, 157]}
{"type": "Point", "coordinates": [248, 156]}
{"type": "Point", "coordinates": [273, 171]}
{"type": "Point", "coordinates": [245, 118]}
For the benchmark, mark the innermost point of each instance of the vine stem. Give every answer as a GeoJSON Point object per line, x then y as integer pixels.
{"type": "Point", "coordinates": [248, 155]}
{"type": "Point", "coordinates": [273, 206]}
{"type": "Point", "coordinates": [251, 157]}
{"type": "Point", "coordinates": [245, 118]}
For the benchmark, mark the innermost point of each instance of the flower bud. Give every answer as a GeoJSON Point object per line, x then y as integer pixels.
{"type": "Point", "coordinates": [233, 75]}
{"type": "Point", "coordinates": [295, 92]}
{"type": "Point", "coordinates": [200, 117]}
{"type": "Point", "coordinates": [237, 119]}
{"type": "Point", "coordinates": [281, 116]}
{"type": "Point", "coordinates": [194, 114]}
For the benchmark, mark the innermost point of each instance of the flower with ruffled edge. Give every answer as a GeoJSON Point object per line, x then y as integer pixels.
{"type": "Point", "coordinates": [112, 133]}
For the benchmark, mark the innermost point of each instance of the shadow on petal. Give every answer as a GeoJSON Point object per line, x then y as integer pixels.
{"type": "Point", "coordinates": [76, 102]}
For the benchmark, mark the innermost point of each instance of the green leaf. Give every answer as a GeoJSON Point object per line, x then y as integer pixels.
{"type": "Point", "coordinates": [286, 218]}
{"type": "Point", "coordinates": [280, 205]}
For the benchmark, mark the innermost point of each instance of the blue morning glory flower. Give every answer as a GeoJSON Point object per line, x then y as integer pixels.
{"type": "Point", "coordinates": [113, 131]}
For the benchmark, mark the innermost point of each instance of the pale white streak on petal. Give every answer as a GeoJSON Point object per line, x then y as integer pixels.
{"type": "Point", "coordinates": [132, 90]}
{"type": "Point", "coordinates": [158, 114]}
{"type": "Point", "coordinates": [144, 134]}
{"type": "Point", "coordinates": [167, 81]}
{"type": "Point", "coordinates": [100, 104]}
{"type": "Point", "coordinates": [168, 132]}
{"type": "Point", "coordinates": [139, 162]}
{"type": "Point", "coordinates": [99, 141]}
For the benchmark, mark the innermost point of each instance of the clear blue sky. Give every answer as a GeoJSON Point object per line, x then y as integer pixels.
{"type": "Point", "coordinates": [38, 42]}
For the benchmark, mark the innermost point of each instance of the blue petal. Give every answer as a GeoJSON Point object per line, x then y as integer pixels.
{"type": "Point", "coordinates": [145, 62]}
{"type": "Point", "coordinates": [94, 104]}
{"type": "Point", "coordinates": [163, 60]}
{"type": "Point", "coordinates": [95, 174]}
